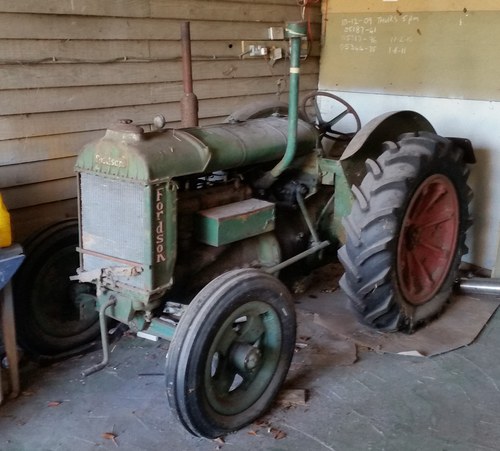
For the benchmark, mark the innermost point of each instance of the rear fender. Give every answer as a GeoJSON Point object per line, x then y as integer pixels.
{"type": "Point", "coordinates": [367, 143]}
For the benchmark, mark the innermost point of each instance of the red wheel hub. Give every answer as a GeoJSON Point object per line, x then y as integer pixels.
{"type": "Point", "coordinates": [428, 239]}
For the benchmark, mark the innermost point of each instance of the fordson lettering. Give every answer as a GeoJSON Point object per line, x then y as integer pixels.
{"type": "Point", "coordinates": [108, 161]}
{"type": "Point", "coordinates": [160, 251]}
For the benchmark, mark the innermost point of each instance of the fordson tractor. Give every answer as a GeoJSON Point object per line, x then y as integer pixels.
{"type": "Point", "coordinates": [190, 235]}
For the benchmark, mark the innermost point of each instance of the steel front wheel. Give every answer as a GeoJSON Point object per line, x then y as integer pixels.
{"type": "Point", "coordinates": [406, 232]}
{"type": "Point", "coordinates": [231, 352]}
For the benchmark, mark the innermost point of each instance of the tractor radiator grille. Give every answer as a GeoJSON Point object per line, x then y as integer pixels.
{"type": "Point", "coordinates": [113, 221]}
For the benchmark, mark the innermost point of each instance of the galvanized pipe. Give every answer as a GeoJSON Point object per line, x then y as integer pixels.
{"type": "Point", "coordinates": [104, 339]}
{"type": "Point", "coordinates": [189, 101]}
{"type": "Point", "coordinates": [480, 286]}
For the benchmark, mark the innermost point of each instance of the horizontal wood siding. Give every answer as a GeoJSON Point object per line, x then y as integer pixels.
{"type": "Point", "coordinates": [70, 68]}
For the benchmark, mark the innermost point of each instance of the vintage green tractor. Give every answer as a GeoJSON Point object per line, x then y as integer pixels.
{"type": "Point", "coordinates": [187, 234]}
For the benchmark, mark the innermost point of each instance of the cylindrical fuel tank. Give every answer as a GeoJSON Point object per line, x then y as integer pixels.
{"type": "Point", "coordinates": [127, 152]}
{"type": "Point", "coordinates": [252, 141]}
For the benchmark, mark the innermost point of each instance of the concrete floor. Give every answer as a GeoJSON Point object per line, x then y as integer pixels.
{"type": "Point", "coordinates": [379, 402]}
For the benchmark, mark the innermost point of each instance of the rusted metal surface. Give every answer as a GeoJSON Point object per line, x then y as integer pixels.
{"type": "Point", "coordinates": [189, 101]}
{"type": "Point", "coordinates": [233, 222]}
{"type": "Point", "coordinates": [104, 338]}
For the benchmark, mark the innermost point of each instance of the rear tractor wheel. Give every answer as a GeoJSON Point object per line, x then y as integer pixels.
{"type": "Point", "coordinates": [231, 352]}
{"type": "Point", "coordinates": [406, 232]}
{"type": "Point", "coordinates": [54, 315]}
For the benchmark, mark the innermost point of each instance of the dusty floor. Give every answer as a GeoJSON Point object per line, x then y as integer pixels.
{"type": "Point", "coordinates": [357, 399]}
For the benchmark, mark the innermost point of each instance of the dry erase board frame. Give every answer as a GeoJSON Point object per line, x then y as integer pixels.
{"type": "Point", "coordinates": [364, 6]}
{"type": "Point", "coordinates": [453, 54]}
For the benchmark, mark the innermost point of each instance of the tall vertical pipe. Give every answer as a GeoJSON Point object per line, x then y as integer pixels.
{"type": "Point", "coordinates": [189, 101]}
{"type": "Point", "coordinates": [295, 31]}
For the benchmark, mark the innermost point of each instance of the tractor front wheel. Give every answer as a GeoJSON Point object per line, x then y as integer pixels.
{"type": "Point", "coordinates": [406, 232]}
{"type": "Point", "coordinates": [231, 352]}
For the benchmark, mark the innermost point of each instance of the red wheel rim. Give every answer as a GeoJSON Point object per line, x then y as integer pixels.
{"type": "Point", "coordinates": [428, 239]}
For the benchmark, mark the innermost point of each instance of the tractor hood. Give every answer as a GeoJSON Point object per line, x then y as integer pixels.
{"type": "Point", "coordinates": [126, 151]}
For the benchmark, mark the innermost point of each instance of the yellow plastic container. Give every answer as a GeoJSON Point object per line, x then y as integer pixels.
{"type": "Point", "coordinates": [5, 230]}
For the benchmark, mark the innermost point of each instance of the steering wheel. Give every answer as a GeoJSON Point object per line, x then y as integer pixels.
{"type": "Point", "coordinates": [324, 125]}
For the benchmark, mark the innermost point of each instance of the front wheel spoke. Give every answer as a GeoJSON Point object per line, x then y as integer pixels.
{"type": "Point", "coordinates": [224, 343]}
{"type": "Point", "coordinates": [224, 376]}
{"type": "Point", "coordinates": [252, 329]}
{"type": "Point", "coordinates": [248, 378]}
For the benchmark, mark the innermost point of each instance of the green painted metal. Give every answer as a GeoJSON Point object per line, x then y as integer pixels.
{"type": "Point", "coordinates": [261, 140]}
{"type": "Point", "coordinates": [268, 249]}
{"type": "Point", "coordinates": [161, 239]}
{"type": "Point", "coordinates": [234, 222]}
{"type": "Point", "coordinates": [155, 157]}
{"type": "Point", "coordinates": [261, 320]}
{"type": "Point", "coordinates": [123, 310]}
{"type": "Point", "coordinates": [161, 329]}
{"type": "Point", "coordinates": [154, 161]}
{"type": "Point", "coordinates": [295, 31]}
{"type": "Point", "coordinates": [332, 173]}
{"type": "Point", "coordinates": [148, 158]}
{"type": "Point", "coordinates": [155, 249]}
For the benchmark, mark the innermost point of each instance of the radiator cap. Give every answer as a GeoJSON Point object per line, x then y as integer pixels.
{"type": "Point", "coordinates": [126, 126]}
{"type": "Point", "coordinates": [124, 130]}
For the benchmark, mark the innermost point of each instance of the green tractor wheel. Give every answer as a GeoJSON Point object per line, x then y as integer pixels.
{"type": "Point", "coordinates": [231, 352]}
{"type": "Point", "coordinates": [406, 232]}
{"type": "Point", "coordinates": [54, 315]}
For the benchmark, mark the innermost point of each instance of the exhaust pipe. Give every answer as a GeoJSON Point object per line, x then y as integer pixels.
{"type": "Point", "coordinates": [189, 101]}
{"type": "Point", "coordinates": [295, 31]}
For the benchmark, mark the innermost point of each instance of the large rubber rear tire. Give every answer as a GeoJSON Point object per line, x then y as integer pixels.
{"type": "Point", "coordinates": [48, 305]}
{"type": "Point", "coordinates": [405, 235]}
{"type": "Point", "coordinates": [231, 352]}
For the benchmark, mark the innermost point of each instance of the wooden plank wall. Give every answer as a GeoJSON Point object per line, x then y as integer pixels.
{"type": "Point", "coordinates": [69, 68]}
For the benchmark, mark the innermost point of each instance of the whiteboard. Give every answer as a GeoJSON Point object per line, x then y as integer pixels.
{"type": "Point", "coordinates": [448, 54]}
